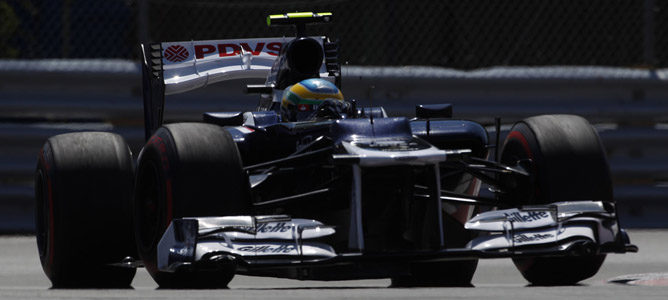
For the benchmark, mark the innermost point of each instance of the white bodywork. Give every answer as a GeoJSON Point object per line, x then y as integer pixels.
{"type": "Point", "coordinates": [249, 237]}
{"type": "Point", "coordinates": [551, 223]}
{"type": "Point", "coordinates": [289, 237]}
{"type": "Point", "coordinates": [280, 239]}
{"type": "Point", "coordinates": [189, 65]}
{"type": "Point", "coordinates": [376, 158]}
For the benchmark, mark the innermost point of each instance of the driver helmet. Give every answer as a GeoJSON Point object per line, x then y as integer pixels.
{"type": "Point", "coordinates": [310, 99]}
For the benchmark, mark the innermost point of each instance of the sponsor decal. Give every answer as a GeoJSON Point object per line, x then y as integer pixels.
{"type": "Point", "coordinates": [225, 50]}
{"type": "Point", "coordinates": [278, 249]}
{"type": "Point", "coordinates": [303, 107]}
{"type": "Point", "coordinates": [176, 53]}
{"type": "Point", "coordinates": [527, 217]}
{"type": "Point", "coordinates": [525, 238]}
{"type": "Point", "coordinates": [278, 227]}
{"type": "Point", "coordinates": [391, 145]}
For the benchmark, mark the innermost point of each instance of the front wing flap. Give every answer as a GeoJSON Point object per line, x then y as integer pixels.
{"type": "Point", "coordinates": [249, 238]}
{"type": "Point", "coordinates": [275, 242]}
{"type": "Point", "coordinates": [589, 226]}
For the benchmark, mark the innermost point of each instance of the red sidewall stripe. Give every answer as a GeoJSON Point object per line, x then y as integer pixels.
{"type": "Point", "coordinates": [525, 144]}
{"type": "Point", "coordinates": [520, 137]}
{"type": "Point", "coordinates": [161, 148]}
{"type": "Point", "coordinates": [50, 248]}
{"type": "Point", "coordinates": [51, 223]}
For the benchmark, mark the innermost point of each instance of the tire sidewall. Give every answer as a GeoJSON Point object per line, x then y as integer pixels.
{"type": "Point", "coordinates": [45, 212]}
{"type": "Point", "coordinates": [172, 150]}
{"type": "Point", "coordinates": [566, 165]}
{"type": "Point", "coordinates": [155, 154]}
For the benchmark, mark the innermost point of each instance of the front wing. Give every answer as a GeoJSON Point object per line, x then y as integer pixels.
{"type": "Point", "coordinates": [297, 248]}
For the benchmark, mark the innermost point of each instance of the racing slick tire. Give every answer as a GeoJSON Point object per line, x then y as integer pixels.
{"type": "Point", "coordinates": [187, 170]}
{"type": "Point", "coordinates": [83, 185]}
{"type": "Point", "coordinates": [568, 162]}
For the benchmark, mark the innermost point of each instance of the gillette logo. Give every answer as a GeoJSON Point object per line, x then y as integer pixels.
{"type": "Point", "coordinates": [273, 227]}
{"type": "Point", "coordinates": [526, 217]}
{"type": "Point", "coordinates": [523, 238]}
{"type": "Point", "coordinates": [276, 249]}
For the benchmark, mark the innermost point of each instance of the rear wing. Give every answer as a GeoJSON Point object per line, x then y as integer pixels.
{"type": "Point", "coordinates": [191, 65]}
{"type": "Point", "coordinates": [177, 67]}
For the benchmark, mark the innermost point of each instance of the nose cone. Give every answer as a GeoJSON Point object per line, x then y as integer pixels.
{"type": "Point", "coordinates": [355, 129]}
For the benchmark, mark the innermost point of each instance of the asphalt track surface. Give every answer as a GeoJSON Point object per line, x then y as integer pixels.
{"type": "Point", "coordinates": [21, 277]}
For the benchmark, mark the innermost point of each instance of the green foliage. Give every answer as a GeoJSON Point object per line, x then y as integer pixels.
{"type": "Point", "coordinates": [8, 27]}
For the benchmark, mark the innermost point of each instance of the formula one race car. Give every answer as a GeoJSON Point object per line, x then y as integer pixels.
{"type": "Point", "coordinates": [311, 186]}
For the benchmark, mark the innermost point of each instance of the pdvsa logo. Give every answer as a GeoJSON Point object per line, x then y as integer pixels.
{"type": "Point", "coordinates": [228, 49]}
{"type": "Point", "coordinates": [176, 53]}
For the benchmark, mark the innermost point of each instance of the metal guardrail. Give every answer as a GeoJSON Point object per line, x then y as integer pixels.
{"type": "Point", "coordinates": [629, 107]}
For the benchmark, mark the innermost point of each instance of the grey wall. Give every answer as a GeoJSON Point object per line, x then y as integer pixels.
{"type": "Point", "coordinates": [629, 107]}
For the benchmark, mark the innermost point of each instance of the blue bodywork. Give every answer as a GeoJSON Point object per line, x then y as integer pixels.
{"type": "Point", "coordinates": [453, 134]}
{"type": "Point", "coordinates": [261, 136]}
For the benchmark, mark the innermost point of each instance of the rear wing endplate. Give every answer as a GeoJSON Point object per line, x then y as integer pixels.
{"type": "Point", "coordinates": [153, 88]}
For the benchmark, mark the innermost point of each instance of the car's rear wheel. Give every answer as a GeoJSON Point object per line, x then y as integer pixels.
{"type": "Point", "coordinates": [187, 170]}
{"type": "Point", "coordinates": [83, 185]}
{"type": "Point", "coordinates": [568, 163]}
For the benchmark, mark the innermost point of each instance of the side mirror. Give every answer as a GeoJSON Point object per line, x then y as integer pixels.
{"type": "Point", "coordinates": [428, 111]}
{"type": "Point", "coordinates": [258, 89]}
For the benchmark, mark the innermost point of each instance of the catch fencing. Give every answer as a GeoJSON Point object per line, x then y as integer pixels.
{"type": "Point", "coordinates": [448, 33]}
{"type": "Point", "coordinates": [629, 107]}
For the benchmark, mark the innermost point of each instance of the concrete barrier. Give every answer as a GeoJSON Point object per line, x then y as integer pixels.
{"type": "Point", "coordinates": [629, 107]}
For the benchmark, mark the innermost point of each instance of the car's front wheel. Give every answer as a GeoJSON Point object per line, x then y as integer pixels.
{"type": "Point", "coordinates": [187, 170]}
{"type": "Point", "coordinates": [568, 163]}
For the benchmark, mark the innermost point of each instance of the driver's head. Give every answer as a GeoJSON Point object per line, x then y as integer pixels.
{"type": "Point", "coordinates": [310, 99]}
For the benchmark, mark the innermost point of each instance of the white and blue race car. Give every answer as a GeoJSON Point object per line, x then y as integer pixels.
{"type": "Point", "coordinates": [319, 189]}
